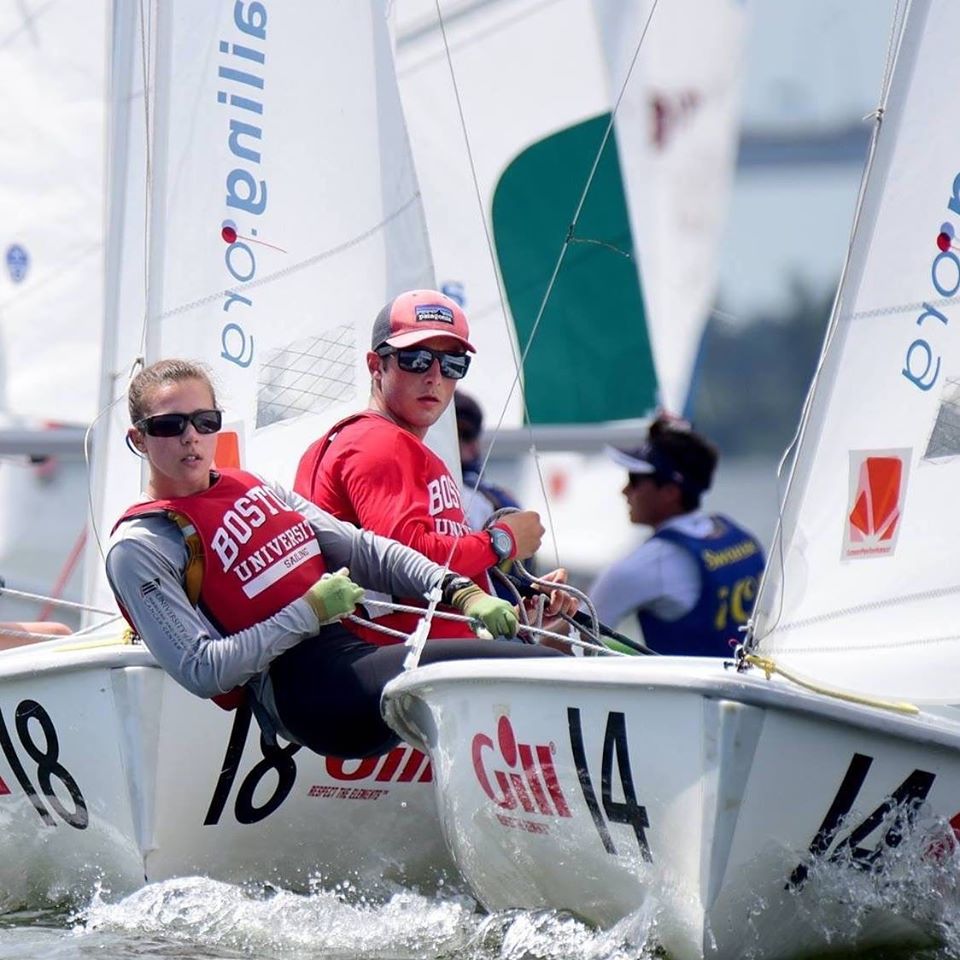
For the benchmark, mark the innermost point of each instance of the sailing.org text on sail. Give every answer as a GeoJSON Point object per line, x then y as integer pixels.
{"type": "Point", "coordinates": [241, 76]}
{"type": "Point", "coordinates": [921, 364]}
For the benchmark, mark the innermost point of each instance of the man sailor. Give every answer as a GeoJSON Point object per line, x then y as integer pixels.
{"type": "Point", "coordinates": [374, 470]}
{"type": "Point", "coordinates": [693, 583]}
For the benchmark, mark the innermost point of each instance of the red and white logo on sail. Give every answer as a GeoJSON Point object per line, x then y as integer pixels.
{"type": "Point", "coordinates": [878, 483]}
{"type": "Point", "coordinates": [518, 776]}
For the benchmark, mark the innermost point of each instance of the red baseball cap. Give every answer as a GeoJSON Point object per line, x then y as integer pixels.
{"type": "Point", "coordinates": [418, 315]}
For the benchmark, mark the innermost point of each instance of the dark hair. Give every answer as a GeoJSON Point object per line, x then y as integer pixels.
{"type": "Point", "coordinates": [157, 374]}
{"type": "Point", "coordinates": [469, 416]}
{"type": "Point", "coordinates": [693, 456]}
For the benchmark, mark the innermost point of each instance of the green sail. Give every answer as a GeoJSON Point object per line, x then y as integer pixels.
{"type": "Point", "coordinates": [591, 358]}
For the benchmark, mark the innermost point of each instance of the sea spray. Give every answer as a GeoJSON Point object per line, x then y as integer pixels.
{"type": "Point", "coordinates": [197, 916]}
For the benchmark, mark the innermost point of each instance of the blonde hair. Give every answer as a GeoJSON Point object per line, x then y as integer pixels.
{"type": "Point", "coordinates": [156, 375]}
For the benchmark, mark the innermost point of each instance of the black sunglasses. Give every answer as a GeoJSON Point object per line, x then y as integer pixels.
{"type": "Point", "coordinates": [174, 424]}
{"type": "Point", "coordinates": [453, 366]}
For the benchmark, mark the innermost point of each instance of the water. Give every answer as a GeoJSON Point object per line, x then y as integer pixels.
{"type": "Point", "coordinates": [197, 918]}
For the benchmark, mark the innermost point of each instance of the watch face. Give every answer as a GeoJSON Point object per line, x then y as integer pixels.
{"type": "Point", "coordinates": [501, 542]}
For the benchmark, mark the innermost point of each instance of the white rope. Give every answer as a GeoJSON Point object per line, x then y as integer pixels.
{"type": "Point", "coordinates": [55, 601]}
{"type": "Point", "coordinates": [444, 615]}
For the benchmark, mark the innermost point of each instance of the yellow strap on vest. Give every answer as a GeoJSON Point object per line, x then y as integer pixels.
{"type": "Point", "coordinates": [192, 580]}
{"type": "Point", "coordinates": [193, 573]}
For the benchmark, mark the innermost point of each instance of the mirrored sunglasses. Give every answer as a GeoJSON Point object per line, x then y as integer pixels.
{"type": "Point", "coordinates": [174, 424]}
{"type": "Point", "coordinates": [453, 366]}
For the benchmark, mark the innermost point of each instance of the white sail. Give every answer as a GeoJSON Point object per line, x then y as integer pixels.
{"type": "Point", "coordinates": [507, 105]}
{"type": "Point", "coordinates": [677, 126]}
{"type": "Point", "coordinates": [261, 210]}
{"type": "Point", "coordinates": [530, 87]}
{"type": "Point", "coordinates": [516, 75]}
{"type": "Point", "coordinates": [53, 72]}
{"type": "Point", "coordinates": [863, 588]}
{"type": "Point", "coordinates": [52, 114]}
{"type": "Point", "coordinates": [282, 216]}
{"type": "Point", "coordinates": [115, 471]}
{"type": "Point", "coordinates": [825, 819]}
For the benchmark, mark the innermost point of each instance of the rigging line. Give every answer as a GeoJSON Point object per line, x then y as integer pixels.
{"type": "Point", "coordinates": [143, 24]}
{"type": "Point", "coordinates": [536, 631]}
{"type": "Point", "coordinates": [752, 641]}
{"type": "Point", "coordinates": [91, 507]}
{"type": "Point", "coordinates": [418, 638]}
{"type": "Point", "coordinates": [879, 647]}
{"type": "Point", "coordinates": [899, 600]}
{"type": "Point", "coordinates": [56, 592]}
{"type": "Point", "coordinates": [570, 234]}
{"type": "Point", "coordinates": [419, 32]}
{"type": "Point", "coordinates": [416, 34]}
{"type": "Point", "coordinates": [517, 361]}
{"type": "Point", "coordinates": [56, 601]}
{"type": "Point", "coordinates": [28, 19]}
{"type": "Point", "coordinates": [518, 366]}
{"type": "Point", "coordinates": [896, 30]}
{"type": "Point", "coordinates": [146, 42]}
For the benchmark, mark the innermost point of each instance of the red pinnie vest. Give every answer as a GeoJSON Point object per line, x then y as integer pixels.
{"type": "Point", "coordinates": [256, 554]}
{"type": "Point", "coordinates": [310, 467]}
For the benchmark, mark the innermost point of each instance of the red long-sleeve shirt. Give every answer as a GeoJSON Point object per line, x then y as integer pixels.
{"type": "Point", "coordinates": [374, 474]}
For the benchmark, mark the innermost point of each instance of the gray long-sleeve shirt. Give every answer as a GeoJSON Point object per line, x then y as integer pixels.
{"type": "Point", "coordinates": [146, 560]}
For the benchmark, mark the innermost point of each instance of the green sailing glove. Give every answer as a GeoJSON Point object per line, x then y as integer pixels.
{"type": "Point", "coordinates": [498, 616]}
{"type": "Point", "coordinates": [333, 596]}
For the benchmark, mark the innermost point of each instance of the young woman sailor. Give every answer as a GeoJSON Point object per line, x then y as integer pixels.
{"type": "Point", "coordinates": [226, 577]}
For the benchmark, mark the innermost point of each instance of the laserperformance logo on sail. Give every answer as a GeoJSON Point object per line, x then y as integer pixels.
{"type": "Point", "coordinates": [878, 486]}
{"type": "Point", "coordinates": [240, 76]}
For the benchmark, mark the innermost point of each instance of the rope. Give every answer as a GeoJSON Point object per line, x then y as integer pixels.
{"type": "Point", "coordinates": [794, 447]}
{"type": "Point", "coordinates": [125, 638]}
{"type": "Point", "coordinates": [769, 667]}
{"type": "Point", "coordinates": [444, 615]}
{"type": "Point", "coordinates": [519, 362]}
{"type": "Point", "coordinates": [64, 575]}
{"type": "Point", "coordinates": [55, 601]}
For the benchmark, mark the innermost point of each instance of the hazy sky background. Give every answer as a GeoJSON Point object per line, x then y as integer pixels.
{"type": "Point", "coordinates": [811, 65]}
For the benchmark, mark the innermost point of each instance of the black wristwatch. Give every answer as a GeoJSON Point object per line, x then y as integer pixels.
{"type": "Point", "coordinates": [502, 543]}
{"type": "Point", "coordinates": [453, 583]}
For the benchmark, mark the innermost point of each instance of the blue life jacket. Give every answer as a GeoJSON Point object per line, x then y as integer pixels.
{"type": "Point", "coordinates": [497, 496]}
{"type": "Point", "coordinates": [730, 561]}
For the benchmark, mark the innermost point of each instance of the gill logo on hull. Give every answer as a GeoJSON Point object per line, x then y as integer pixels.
{"type": "Point", "coordinates": [518, 775]}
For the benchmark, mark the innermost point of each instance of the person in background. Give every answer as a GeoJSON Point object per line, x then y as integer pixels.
{"type": "Point", "coordinates": [693, 583]}
{"type": "Point", "coordinates": [374, 470]}
{"type": "Point", "coordinates": [483, 499]}
{"type": "Point", "coordinates": [238, 587]}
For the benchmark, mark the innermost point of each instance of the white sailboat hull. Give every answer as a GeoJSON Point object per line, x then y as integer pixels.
{"type": "Point", "coordinates": [678, 788]}
{"type": "Point", "coordinates": [135, 780]}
